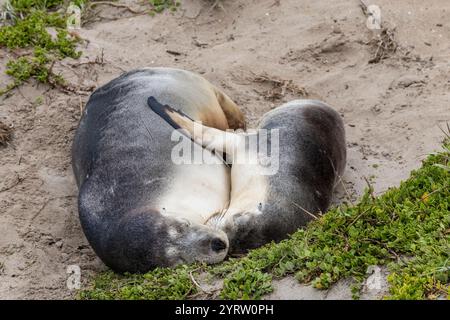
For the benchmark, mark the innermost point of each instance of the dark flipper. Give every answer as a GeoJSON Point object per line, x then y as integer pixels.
{"type": "Point", "coordinates": [162, 111]}
{"type": "Point", "coordinates": [165, 111]}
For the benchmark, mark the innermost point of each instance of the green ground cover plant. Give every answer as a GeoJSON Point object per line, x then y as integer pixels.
{"type": "Point", "coordinates": [26, 34]}
{"type": "Point", "coordinates": [407, 229]}
{"type": "Point", "coordinates": [25, 31]}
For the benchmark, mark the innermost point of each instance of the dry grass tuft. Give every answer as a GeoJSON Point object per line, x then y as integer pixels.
{"type": "Point", "coordinates": [279, 87]}
{"type": "Point", "coordinates": [386, 45]}
{"type": "Point", "coordinates": [5, 134]}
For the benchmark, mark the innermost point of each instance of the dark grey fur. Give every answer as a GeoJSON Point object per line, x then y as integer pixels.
{"type": "Point", "coordinates": [312, 157]}
{"type": "Point", "coordinates": [120, 158]}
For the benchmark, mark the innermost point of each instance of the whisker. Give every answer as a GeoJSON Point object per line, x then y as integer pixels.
{"type": "Point", "coordinates": [216, 217]}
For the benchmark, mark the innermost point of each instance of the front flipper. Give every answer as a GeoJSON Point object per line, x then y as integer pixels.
{"type": "Point", "coordinates": [235, 117]}
{"type": "Point", "coordinates": [210, 138]}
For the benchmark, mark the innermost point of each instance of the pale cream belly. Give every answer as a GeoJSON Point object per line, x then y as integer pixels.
{"type": "Point", "coordinates": [198, 192]}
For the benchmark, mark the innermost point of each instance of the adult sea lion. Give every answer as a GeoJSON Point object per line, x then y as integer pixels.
{"type": "Point", "coordinates": [283, 189]}
{"type": "Point", "coordinates": [137, 208]}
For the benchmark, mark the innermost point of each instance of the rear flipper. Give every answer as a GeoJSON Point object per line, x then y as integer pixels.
{"type": "Point", "coordinates": [210, 138]}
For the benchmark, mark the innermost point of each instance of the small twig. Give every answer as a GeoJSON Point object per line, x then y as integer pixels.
{"type": "Point", "coordinates": [199, 44]}
{"type": "Point", "coordinates": [17, 182]}
{"type": "Point", "coordinates": [435, 191]}
{"type": "Point", "coordinates": [175, 53]}
{"type": "Point", "coordinates": [363, 6]}
{"type": "Point", "coordinates": [47, 202]}
{"type": "Point", "coordinates": [209, 295]}
{"type": "Point", "coordinates": [81, 106]}
{"type": "Point", "coordinates": [85, 91]}
{"type": "Point", "coordinates": [342, 181]}
{"type": "Point", "coordinates": [85, 63]}
{"type": "Point", "coordinates": [98, 60]}
{"type": "Point", "coordinates": [55, 84]}
{"type": "Point", "coordinates": [276, 3]}
{"type": "Point", "coordinates": [357, 218]}
{"type": "Point", "coordinates": [66, 88]}
{"type": "Point", "coordinates": [117, 5]}
{"type": "Point", "coordinates": [40, 210]}
{"type": "Point", "coordinates": [101, 61]}
{"type": "Point", "coordinates": [447, 134]}
{"type": "Point", "coordinates": [278, 263]}
{"type": "Point", "coordinates": [216, 4]}
{"type": "Point", "coordinates": [198, 285]}
{"type": "Point", "coordinates": [279, 86]}
{"type": "Point", "coordinates": [385, 246]}
{"type": "Point", "coordinates": [306, 211]}
{"type": "Point", "coordinates": [195, 282]}
{"type": "Point", "coordinates": [370, 187]}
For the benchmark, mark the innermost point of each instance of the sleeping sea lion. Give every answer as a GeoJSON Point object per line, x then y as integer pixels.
{"type": "Point", "coordinates": [138, 207]}
{"type": "Point", "coordinates": [282, 175]}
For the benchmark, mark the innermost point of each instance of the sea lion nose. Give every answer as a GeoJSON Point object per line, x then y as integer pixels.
{"type": "Point", "coordinates": [218, 245]}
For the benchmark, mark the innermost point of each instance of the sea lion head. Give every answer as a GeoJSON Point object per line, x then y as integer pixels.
{"type": "Point", "coordinates": [248, 230]}
{"type": "Point", "coordinates": [192, 242]}
{"type": "Point", "coordinates": [141, 240]}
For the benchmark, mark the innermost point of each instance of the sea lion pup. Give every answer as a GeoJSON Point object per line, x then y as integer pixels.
{"type": "Point", "coordinates": [139, 209]}
{"type": "Point", "coordinates": [285, 188]}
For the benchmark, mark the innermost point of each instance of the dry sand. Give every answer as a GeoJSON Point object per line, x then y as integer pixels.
{"type": "Point", "coordinates": [392, 109]}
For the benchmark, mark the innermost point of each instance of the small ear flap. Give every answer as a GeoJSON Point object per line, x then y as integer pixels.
{"type": "Point", "coordinates": [164, 110]}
